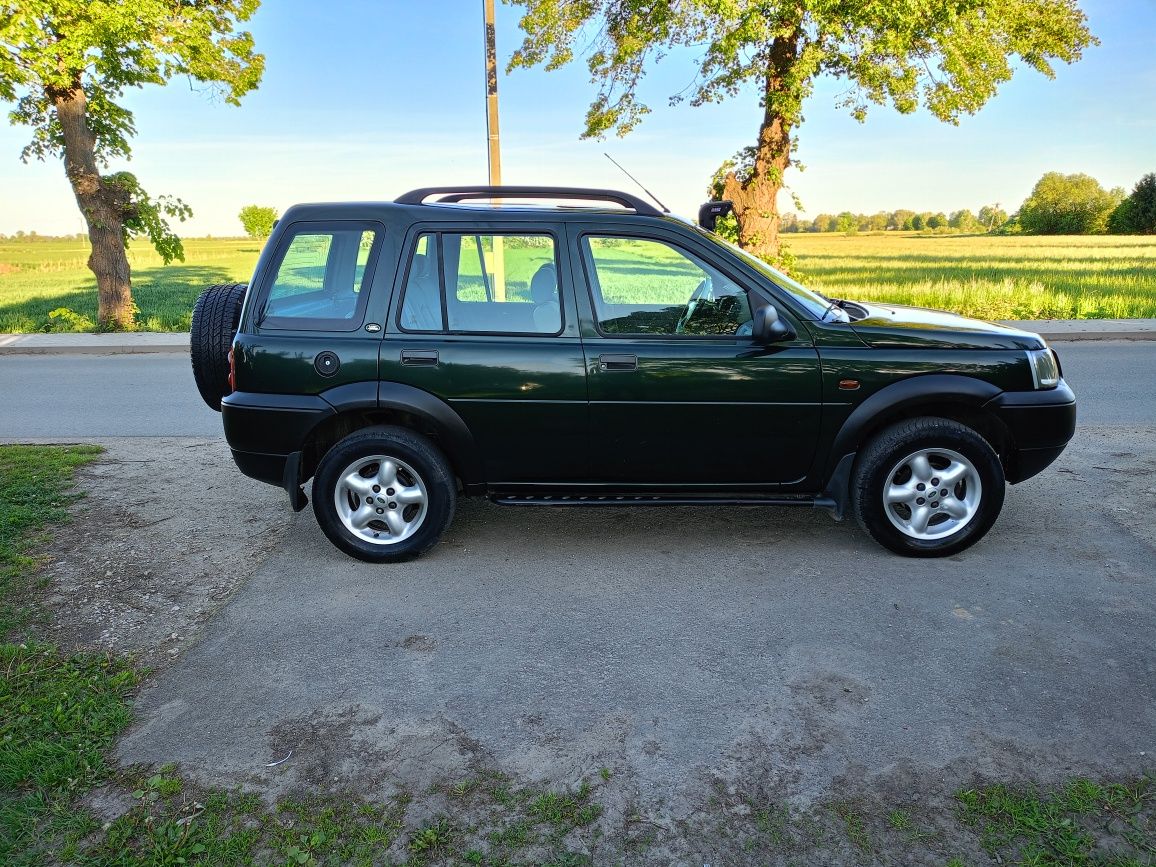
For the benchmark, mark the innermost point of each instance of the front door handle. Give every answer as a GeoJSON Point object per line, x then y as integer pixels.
{"type": "Point", "coordinates": [618, 362]}
{"type": "Point", "coordinates": [419, 357]}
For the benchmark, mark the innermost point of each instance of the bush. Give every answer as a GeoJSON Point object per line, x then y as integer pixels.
{"type": "Point", "coordinates": [964, 221]}
{"type": "Point", "coordinates": [1068, 205]}
{"type": "Point", "coordinates": [65, 320]}
{"type": "Point", "coordinates": [258, 220]}
{"type": "Point", "coordinates": [992, 217]}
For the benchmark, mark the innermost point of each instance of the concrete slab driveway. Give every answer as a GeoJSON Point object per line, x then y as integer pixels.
{"type": "Point", "coordinates": [690, 649]}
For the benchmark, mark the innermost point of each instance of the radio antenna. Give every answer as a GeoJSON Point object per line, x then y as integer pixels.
{"type": "Point", "coordinates": [648, 192]}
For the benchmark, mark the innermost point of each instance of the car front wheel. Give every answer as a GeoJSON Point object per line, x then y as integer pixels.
{"type": "Point", "coordinates": [384, 494]}
{"type": "Point", "coordinates": [927, 487]}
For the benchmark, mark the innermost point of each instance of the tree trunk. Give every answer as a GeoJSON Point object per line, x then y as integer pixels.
{"type": "Point", "coordinates": [756, 196]}
{"type": "Point", "coordinates": [101, 207]}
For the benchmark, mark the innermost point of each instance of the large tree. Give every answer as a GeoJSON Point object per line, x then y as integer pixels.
{"type": "Point", "coordinates": [948, 55]}
{"type": "Point", "coordinates": [66, 65]}
{"type": "Point", "coordinates": [1136, 215]}
{"type": "Point", "coordinates": [1068, 205]}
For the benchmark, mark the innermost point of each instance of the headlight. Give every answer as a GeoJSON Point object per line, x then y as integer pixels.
{"type": "Point", "coordinates": [1045, 368]}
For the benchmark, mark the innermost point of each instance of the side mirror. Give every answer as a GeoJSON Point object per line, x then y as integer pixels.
{"type": "Point", "coordinates": [769, 328]}
{"type": "Point", "coordinates": [710, 213]}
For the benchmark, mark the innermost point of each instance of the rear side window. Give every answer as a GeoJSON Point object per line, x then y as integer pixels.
{"type": "Point", "coordinates": [421, 307]}
{"type": "Point", "coordinates": [322, 278]}
{"type": "Point", "coordinates": [487, 284]}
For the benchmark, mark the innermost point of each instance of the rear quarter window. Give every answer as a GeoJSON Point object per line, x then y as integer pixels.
{"type": "Point", "coordinates": [322, 277]}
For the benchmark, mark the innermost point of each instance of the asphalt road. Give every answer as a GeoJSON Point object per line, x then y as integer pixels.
{"type": "Point", "coordinates": [154, 395]}
{"type": "Point", "coordinates": [62, 396]}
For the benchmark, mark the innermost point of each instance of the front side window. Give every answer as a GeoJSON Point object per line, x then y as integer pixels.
{"type": "Point", "coordinates": [643, 286]}
{"type": "Point", "coordinates": [320, 279]}
{"type": "Point", "coordinates": [814, 303]}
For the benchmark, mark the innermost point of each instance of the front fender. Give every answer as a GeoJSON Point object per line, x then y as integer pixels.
{"type": "Point", "coordinates": [899, 398]}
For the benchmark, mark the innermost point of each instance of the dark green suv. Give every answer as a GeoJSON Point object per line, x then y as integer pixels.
{"type": "Point", "coordinates": [401, 354]}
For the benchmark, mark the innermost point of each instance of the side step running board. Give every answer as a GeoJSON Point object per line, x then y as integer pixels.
{"type": "Point", "coordinates": [652, 500]}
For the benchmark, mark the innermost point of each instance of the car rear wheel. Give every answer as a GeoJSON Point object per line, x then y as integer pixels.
{"type": "Point", "coordinates": [215, 318]}
{"type": "Point", "coordinates": [384, 494]}
{"type": "Point", "coordinates": [927, 487]}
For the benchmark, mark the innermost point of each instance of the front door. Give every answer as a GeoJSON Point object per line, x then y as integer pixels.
{"type": "Point", "coordinates": [486, 322]}
{"type": "Point", "coordinates": [679, 393]}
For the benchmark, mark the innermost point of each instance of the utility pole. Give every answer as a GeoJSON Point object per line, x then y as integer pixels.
{"type": "Point", "coordinates": [493, 141]}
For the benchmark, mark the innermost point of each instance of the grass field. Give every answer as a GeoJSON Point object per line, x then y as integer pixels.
{"type": "Point", "coordinates": [1014, 277]}
{"type": "Point", "coordinates": [989, 277]}
{"type": "Point", "coordinates": [36, 278]}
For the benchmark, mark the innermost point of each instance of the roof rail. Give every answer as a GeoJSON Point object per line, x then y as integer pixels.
{"type": "Point", "coordinates": [459, 194]}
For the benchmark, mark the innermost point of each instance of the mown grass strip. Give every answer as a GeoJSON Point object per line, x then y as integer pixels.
{"type": "Point", "coordinates": [1082, 823]}
{"type": "Point", "coordinates": [34, 482]}
{"type": "Point", "coordinates": [59, 713]}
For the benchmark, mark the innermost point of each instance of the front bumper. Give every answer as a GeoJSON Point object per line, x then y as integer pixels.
{"type": "Point", "coordinates": [1041, 424]}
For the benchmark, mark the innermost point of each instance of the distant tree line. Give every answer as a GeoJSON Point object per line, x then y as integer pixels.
{"type": "Point", "coordinates": [1059, 204]}
{"type": "Point", "coordinates": [33, 237]}
{"type": "Point", "coordinates": [990, 218]}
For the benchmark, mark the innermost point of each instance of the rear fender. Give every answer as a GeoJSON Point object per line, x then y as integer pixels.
{"type": "Point", "coordinates": [361, 404]}
{"type": "Point", "coordinates": [453, 433]}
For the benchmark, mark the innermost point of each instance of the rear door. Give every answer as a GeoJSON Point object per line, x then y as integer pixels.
{"type": "Point", "coordinates": [679, 392]}
{"type": "Point", "coordinates": [484, 319]}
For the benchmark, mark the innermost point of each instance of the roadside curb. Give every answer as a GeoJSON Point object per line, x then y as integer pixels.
{"type": "Point", "coordinates": [1057, 330]}
{"type": "Point", "coordinates": [93, 344]}
{"type": "Point", "coordinates": [1060, 330]}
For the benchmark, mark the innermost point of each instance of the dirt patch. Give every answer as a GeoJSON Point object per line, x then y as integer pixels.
{"type": "Point", "coordinates": [165, 532]}
{"type": "Point", "coordinates": [7, 268]}
{"type": "Point", "coordinates": [357, 749]}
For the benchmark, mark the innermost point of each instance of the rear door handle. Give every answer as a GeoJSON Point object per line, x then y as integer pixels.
{"type": "Point", "coordinates": [618, 362]}
{"type": "Point", "coordinates": [420, 357]}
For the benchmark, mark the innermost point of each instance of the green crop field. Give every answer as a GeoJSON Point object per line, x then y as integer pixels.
{"type": "Point", "coordinates": [991, 277]}
{"type": "Point", "coordinates": [1014, 277]}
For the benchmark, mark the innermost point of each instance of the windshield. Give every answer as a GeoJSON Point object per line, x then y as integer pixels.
{"type": "Point", "coordinates": [820, 307]}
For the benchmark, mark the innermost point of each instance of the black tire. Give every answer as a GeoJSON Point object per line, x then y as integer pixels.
{"type": "Point", "coordinates": [215, 319]}
{"type": "Point", "coordinates": [405, 447]}
{"type": "Point", "coordinates": [885, 452]}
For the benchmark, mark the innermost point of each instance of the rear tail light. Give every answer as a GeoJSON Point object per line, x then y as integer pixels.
{"type": "Point", "coordinates": [232, 372]}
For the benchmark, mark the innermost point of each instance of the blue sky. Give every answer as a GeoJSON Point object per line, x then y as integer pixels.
{"type": "Point", "coordinates": [374, 98]}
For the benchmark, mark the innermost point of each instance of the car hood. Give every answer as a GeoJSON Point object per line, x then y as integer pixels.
{"type": "Point", "coordinates": [894, 325]}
